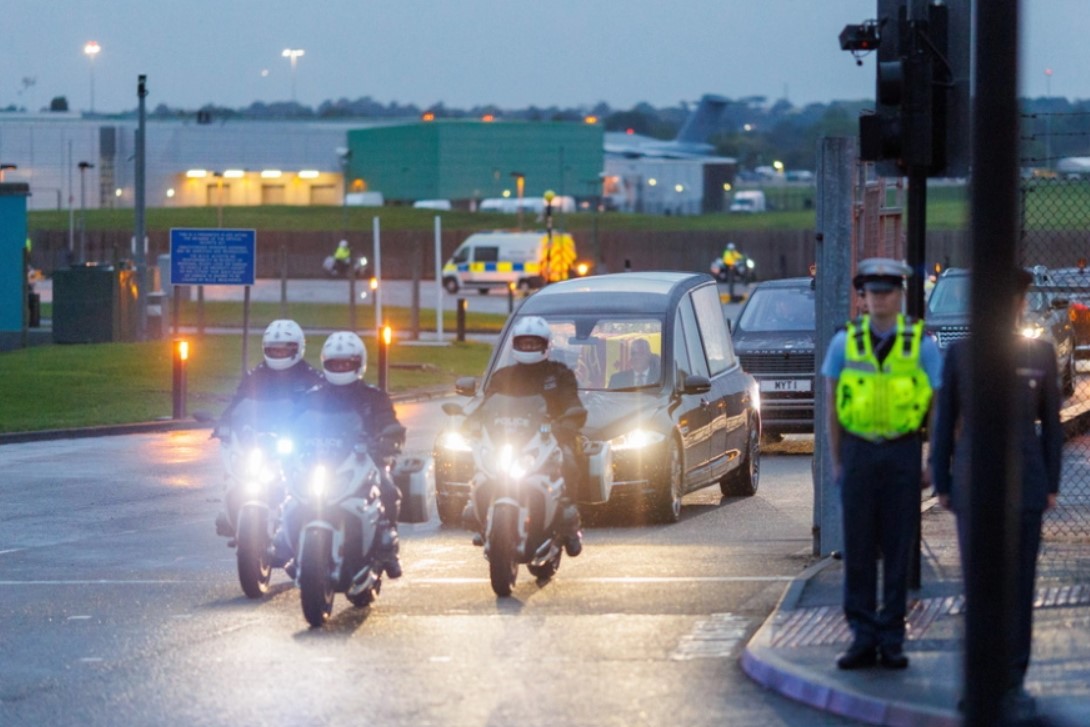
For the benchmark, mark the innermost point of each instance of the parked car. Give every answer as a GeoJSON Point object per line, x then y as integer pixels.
{"type": "Point", "coordinates": [1046, 316]}
{"type": "Point", "coordinates": [775, 339]}
{"type": "Point", "coordinates": [1074, 285]}
{"type": "Point", "coordinates": [698, 423]}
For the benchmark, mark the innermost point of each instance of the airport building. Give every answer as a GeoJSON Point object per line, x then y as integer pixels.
{"type": "Point", "coordinates": [74, 162]}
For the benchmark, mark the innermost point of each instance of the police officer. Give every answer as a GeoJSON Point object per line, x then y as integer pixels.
{"type": "Point", "coordinates": [342, 258]}
{"type": "Point", "coordinates": [1037, 400]}
{"type": "Point", "coordinates": [880, 372]}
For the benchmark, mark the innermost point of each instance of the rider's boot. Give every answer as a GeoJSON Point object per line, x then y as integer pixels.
{"type": "Point", "coordinates": [470, 521]}
{"type": "Point", "coordinates": [389, 546]}
{"type": "Point", "coordinates": [569, 528]}
{"type": "Point", "coordinates": [223, 526]}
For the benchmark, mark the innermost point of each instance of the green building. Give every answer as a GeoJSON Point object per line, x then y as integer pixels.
{"type": "Point", "coordinates": [474, 160]}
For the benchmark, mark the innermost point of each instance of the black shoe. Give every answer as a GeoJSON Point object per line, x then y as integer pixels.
{"type": "Point", "coordinates": [289, 568]}
{"type": "Point", "coordinates": [478, 539]}
{"type": "Point", "coordinates": [387, 552]}
{"type": "Point", "coordinates": [392, 566]}
{"type": "Point", "coordinates": [223, 526]}
{"type": "Point", "coordinates": [1018, 705]}
{"type": "Point", "coordinates": [857, 657]}
{"type": "Point", "coordinates": [470, 521]}
{"type": "Point", "coordinates": [892, 657]}
{"type": "Point", "coordinates": [573, 545]}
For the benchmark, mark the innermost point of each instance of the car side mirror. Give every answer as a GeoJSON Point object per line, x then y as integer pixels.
{"type": "Point", "coordinates": [694, 384]}
{"type": "Point", "coordinates": [453, 410]}
{"type": "Point", "coordinates": [465, 386]}
{"type": "Point", "coordinates": [1060, 303]}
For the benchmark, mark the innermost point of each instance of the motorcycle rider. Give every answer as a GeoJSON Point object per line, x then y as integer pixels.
{"type": "Point", "coordinates": [534, 374]}
{"type": "Point", "coordinates": [342, 258]}
{"type": "Point", "coordinates": [279, 381]}
{"type": "Point", "coordinates": [344, 360]}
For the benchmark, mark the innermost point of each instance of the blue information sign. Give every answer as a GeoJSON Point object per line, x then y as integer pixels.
{"type": "Point", "coordinates": [212, 256]}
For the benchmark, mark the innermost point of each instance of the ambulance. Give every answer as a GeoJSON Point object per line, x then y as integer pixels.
{"type": "Point", "coordinates": [497, 259]}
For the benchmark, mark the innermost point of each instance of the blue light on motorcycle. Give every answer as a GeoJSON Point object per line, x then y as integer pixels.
{"type": "Point", "coordinates": [636, 439]}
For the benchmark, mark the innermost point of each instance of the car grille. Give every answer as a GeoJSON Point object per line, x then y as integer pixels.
{"type": "Point", "coordinates": [780, 362]}
{"type": "Point", "coordinates": [946, 336]}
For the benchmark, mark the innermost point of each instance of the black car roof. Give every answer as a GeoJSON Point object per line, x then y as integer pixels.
{"type": "Point", "coordinates": [643, 292]}
{"type": "Point", "coordinates": [785, 283]}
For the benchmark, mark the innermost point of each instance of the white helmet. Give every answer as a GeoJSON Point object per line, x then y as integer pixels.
{"type": "Point", "coordinates": [344, 358]}
{"type": "Point", "coordinates": [283, 344]}
{"type": "Point", "coordinates": [530, 340]}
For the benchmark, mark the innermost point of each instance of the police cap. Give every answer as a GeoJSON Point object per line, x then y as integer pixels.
{"type": "Point", "coordinates": [880, 274]}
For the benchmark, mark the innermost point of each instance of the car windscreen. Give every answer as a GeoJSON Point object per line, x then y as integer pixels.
{"type": "Point", "coordinates": [779, 309]}
{"type": "Point", "coordinates": [603, 351]}
{"type": "Point", "coordinates": [950, 296]}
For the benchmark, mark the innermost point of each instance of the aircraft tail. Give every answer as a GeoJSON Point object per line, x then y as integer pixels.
{"type": "Point", "coordinates": [703, 121]}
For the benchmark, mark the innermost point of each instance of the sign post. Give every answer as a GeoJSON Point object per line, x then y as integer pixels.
{"type": "Point", "coordinates": [203, 256]}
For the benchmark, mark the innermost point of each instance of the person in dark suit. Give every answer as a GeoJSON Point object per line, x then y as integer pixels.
{"type": "Point", "coordinates": [643, 367]}
{"type": "Point", "coordinates": [1038, 400]}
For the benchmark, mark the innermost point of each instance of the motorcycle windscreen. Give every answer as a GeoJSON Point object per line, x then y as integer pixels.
{"type": "Point", "coordinates": [329, 436]}
{"type": "Point", "coordinates": [263, 415]}
{"type": "Point", "coordinates": [513, 418]}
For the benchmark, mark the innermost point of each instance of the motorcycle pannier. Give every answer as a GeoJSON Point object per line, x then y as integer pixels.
{"type": "Point", "coordinates": [598, 480]}
{"type": "Point", "coordinates": [415, 477]}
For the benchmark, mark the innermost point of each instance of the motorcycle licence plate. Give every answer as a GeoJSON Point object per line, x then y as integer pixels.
{"type": "Point", "coordinates": [785, 385]}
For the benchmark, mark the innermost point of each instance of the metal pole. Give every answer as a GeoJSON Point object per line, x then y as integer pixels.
{"type": "Point", "coordinates": [82, 213]}
{"type": "Point", "coordinates": [995, 459]}
{"type": "Point", "coordinates": [245, 328]}
{"type": "Point", "coordinates": [416, 291]}
{"type": "Point", "coordinates": [283, 281]}
{"type": "Point", "coordinates": [915, 255]}
{"type": "Point", "coordinates": [71, 210]}
{"type": "Point", "coordinates": [140, 201]}
{"type": "Point", "coordinates": [836, 161]}
{"type": "Point", "coordinates": [438, 279]}
{"type": "Point", "coordinates": [461, 319]}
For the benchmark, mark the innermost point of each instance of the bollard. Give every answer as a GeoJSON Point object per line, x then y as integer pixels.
{"type": "Point", "coordinates": [384, 357]}
{"type": "Point", "coordinates": [181, 356]}
{"type": "Point", "coordinates": [510, 298]}
{"type": "Point", "coordinates": [461, 319]}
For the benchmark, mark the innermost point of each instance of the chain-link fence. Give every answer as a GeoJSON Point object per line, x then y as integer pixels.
{"type": "Point", "coordinates": [1055, 233]}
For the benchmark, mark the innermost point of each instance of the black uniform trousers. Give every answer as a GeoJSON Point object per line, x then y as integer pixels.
{"type": "Point", "coordinates": [880, 499]}
{"type": "Point", "coordinates": [1029, 543]}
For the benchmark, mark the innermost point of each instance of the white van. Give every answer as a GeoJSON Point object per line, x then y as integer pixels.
{"type": "Point", "coordinates": [496, 259]}
{"type": "Point", "coordinates": [748, 200]}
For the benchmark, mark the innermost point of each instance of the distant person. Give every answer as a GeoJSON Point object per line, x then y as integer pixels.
{"type": "Point", "coordinates": [643, 367]}
{"type": "Point", "coordinates": [880, 373]}
{"type": "Point", "coordinates": [1037, 401]}
{"type": "Point", "coordinates": [342, 259]}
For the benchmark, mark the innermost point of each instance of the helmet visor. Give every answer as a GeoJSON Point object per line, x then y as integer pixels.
{"type": "Point", "coordinates": [528, 344]}
{"type": "Point", "coordinates": [282, 350]}
{"type": "Point", "coordinates": [343, 365]}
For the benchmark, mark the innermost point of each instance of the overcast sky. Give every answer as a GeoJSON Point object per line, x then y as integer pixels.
{"type": "Point", "coordinates": [512, 53]}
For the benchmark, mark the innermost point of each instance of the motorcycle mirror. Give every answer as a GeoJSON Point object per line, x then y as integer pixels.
{"type": "Point", "coordinates": [203, 416]}
{"type": "Point", "coordinates": [453, 410]}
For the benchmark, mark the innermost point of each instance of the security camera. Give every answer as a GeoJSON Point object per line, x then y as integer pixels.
{"type": "Point", "coordinates": [860, 38]}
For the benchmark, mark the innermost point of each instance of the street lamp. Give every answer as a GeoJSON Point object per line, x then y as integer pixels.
{"type": "Point", "coordinates": [292, 54]}
{"type": "Point", "coordinates": [344, 156]}
{"type": "Point", "coordinates": [520, 187]}
{"type": "Point", "coordinates": [83, 167]}
{"type": "Point", "coordinates": [92, 49]}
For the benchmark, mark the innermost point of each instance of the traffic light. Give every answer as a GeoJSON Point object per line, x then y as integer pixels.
{"type": "Point", "coordinates": [920, 116]}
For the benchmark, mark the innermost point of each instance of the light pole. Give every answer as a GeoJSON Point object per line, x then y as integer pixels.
{"type": "Point", "coordinates": [292, 54]}
{"type": "Point", "coordinates": [1048, 120]}
{"type": "Point", "coordinates": [344, 156]}
{"type": "Point", "coordinates": [92, 49]}
{"type": "Point", "coordinates": [549, 196]}
{"type": "Point", "coordinates": [83, 167]}
{"type": "Point", "coordinates": [520, 187]}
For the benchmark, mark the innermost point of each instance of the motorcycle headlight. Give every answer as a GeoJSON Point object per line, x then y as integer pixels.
{"type": "Point", "coordinates": [749, 263]}
{"type": "Point", "coordinates": [285, 446]}
{"type": "Point", "coordinates": [253, 487]}
{"type": "Point", "coordinates": [319, 482]}
{"type": "Point", "coordinates": [455, 442]}
{"type": "Point", "coordinates": [637, 439]}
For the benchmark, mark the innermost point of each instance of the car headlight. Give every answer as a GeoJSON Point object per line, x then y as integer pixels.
{"type": "Point", "coordinates": [455, 442]}
{"type": "Point", "coordinates": [319, 482]}
{"type": "Point", "coordinates": [1033, 330]}
{"type": "Point", "coordinates": [637, 439]}
{"type": "Point", "coordinates": [285, 446]}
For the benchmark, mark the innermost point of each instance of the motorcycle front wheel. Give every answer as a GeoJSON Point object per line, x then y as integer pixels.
{"type": "Point", "coordinates": [254, 570]}
{"type": "Point", "coordinates": [315, 584]}
{"type": "Point", "coordinates": [502, 542]}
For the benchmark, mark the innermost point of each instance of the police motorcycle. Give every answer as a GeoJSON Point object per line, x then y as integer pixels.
{"type": "Point", "coordinates": [518, 484]}
{"type": "Point", "coordinates": [253, 453]}
{"type": "Point", "coordinates": [336, 519]}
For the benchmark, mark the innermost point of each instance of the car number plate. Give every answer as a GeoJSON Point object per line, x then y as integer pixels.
{"type": "Point", "coordinates": [785, 385]}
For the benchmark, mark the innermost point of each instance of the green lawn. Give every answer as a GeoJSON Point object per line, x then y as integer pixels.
{"type": "Point", "coordinates": [55, 387]}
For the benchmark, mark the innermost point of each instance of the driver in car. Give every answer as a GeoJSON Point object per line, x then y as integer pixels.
{"type": "Point", "coordinates": [534, 374]}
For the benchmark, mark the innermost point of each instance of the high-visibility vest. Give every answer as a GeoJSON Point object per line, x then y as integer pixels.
{"type": "Point", "coordinates": [732, 257]}
{"type": "Point", "coordinates": [342, 253]}
{"type": "Point", "coordinates": [885, 400]}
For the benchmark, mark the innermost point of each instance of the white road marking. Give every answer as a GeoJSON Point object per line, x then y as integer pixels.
{"type": "Point", "coordinates": [91, 660]}
{"type": "Point", "coordinates": [712, 638]}
{"type": "Point", "coordinates": [10, 550]}
{"type": "Point", "coordinates": [102, 582]}
{"type": "Point", "coordinates": [620, 579]}
{"type": "Point", "coordinates": [79, 618]}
